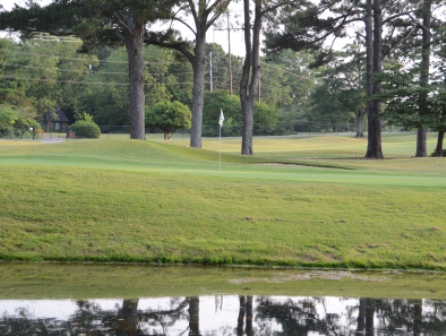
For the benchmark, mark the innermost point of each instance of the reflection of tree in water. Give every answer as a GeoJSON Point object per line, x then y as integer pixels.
{"type": "Point", "coordinates": [93, 321]}
{"type": "Point", "coordinates": [256, 316]}
{"type": "Point", "coordinates": [414, 317]}
{"type": "Point", "coordinates": [389, 317]}
{"type": "Point", "coordinates": [245, 314]}
{"type": "Point", "coordinates": [298, 318]}
{"type": "Point", "coordinates": [25, 325]}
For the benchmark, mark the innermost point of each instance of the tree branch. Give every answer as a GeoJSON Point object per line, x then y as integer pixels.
{"type": "Point", "coordinates": [419, 25]}
{"type": "Point", "coordinates": [186, 24]}
{"type": "Point", "coordinates": [123, 24]}
{"type": "Point", "coordinates": [193, 11]}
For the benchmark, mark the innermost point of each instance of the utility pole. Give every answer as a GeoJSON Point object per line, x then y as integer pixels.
{"type": "Point", "coordinates": [260, 91]}
{"type": "Point", "coordinates": [229, 53]}
{"type": "Point", "coordinates": [211, 83]}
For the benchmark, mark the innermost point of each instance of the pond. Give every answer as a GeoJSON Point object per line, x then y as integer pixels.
{"type": "Point", "coordinates": [80, 300]}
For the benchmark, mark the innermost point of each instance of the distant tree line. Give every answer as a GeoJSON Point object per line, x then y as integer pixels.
{"type": "Point", "coordinates": [392, 71]}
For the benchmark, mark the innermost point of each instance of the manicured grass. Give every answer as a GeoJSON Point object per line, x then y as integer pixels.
{"type": "Point", "coordinates": [145, 201]}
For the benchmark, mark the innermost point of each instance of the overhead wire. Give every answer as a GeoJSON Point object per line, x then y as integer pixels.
{"type": "Point", "coordinates": [78, 59]}
{"type": "Point", "coordinates": [86, 82]}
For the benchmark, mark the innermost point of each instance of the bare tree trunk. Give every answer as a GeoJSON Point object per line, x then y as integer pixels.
{"type": "Point", "coordinates": [369, 317]}
{"type": "Point", "coordinates": [421, 143]}
{"type": "Point", "coordinates": [424, 78]}
{"type": "Point", "coordinates": [249, 83]}
{"type": "Point", "coordinates": [199, 66]}
{"type": "Point", "coordinates": [361, 317]}
{"type": "Point", "coordinates": [360, 123]}
{"type": "Point", "coordinates": [439, 148]}
{"type": "Point", "coordinates": [128, 322]}
{"type": "Point", "coordinates": [374, 149]}
{"type": "Point", "coordinates": [241, 315]}
{"type": "Point", "coordinates": [134, 45]}
{"type": "Point", "coordinates": [194, 316]}
{"type": "Point", "coordinates": [249, 315]}
{"type": "Point", "coordinates": [47, 124]}
{"type": "Point", "coordinates": [417, 317]}
{"type": "Point", "coordinates": [369, 64]}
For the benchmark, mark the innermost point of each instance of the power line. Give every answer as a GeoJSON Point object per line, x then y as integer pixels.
{"type": "Point", "coordinates": [285, 71]}
{"type": "Point", "coordinates": [87, 71]}
{"type": "Point", "coordinates": [62, 70]}
{"type": "Point", "coordinates": [86, 60]}
{"type": "Point", "coordinates": [86, 83]}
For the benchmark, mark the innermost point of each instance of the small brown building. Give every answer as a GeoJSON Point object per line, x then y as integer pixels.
{"type": "Point", "coordinates": [55, 122]}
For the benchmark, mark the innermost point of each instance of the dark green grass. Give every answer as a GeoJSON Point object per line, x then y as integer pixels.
{"type": "Point", "coordinates": [136, 201]}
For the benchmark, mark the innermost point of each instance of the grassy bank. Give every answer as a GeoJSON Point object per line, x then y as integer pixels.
{"type": "Point", "coordinates": [120, 200]}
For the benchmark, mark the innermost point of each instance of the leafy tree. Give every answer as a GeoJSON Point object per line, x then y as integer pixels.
{"type": "Point", "coordinates": [311, 27]}
{"type": "Point", "coordinates": [168, 117]}
{"type": "Point", "coordinates": [213, 102]}
{"type": "Point", "coordinates": [266, 118]}
{"type": "Point", "coordinates": [7, 116]}
{"type": "Point", "coordinates": [204, 14]}
{"type": "Point", "coordinates": [250, 76]}
{"type": "Point", "coordinates": [120, 22]}
{"type": "Point", "coordinates": [402, 93]}
{"type": "Point", "coordinates": [40, 74]}
{"type": "Point", "coordinates": [327, 108]}
{"type": "Point", "coordinates": [340, 94]}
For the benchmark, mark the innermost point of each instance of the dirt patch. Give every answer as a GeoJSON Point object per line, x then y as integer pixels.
{"type": "Point", "coordinates": [312, 275]}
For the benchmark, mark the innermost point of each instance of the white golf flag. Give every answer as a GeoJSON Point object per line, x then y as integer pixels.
{"type": "Point", "coordinates": [222, 118]}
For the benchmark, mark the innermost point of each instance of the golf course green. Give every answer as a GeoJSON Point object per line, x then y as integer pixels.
{"type": "Point", "coordinates": [307, 202]}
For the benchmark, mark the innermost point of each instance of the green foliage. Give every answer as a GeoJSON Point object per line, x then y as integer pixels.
{"type": "Point", "coordinates": [213, 102]}
{"type": "Point", "coordinates": [168, 117]}
{"type": "Point", "coordinates": [85, 117]}
{"type": "Point", "coordinates": [7, 115]}
{"type": "Point", "coordinates": [401, 95]}
{"type": "Point", "coordinates": [86, 129]}
{"type": "Point", "coordinates": [265, 119]}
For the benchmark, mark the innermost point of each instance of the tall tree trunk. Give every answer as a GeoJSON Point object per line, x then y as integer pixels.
{"type": "Point", "coordinates": [424, 78]}
{"type": "Point", "coordinates": [439, 148]}
{"type": "Point", "coordinates": [194, 316]}
{"type": "Point", "coordinates": [374, 149]}
{"type": "Point", "coordinates": [128, 322]}
{"type": "Point", "coordinates": [421, 142]}
{"type": "Point", "coordinates": [361, 317]}
{"type": "Point", "coordinates": [369, 64]}
{"type": "Point", "coordinates": [249, 316]}
{"type": "Point", "coordinates": [369, 317]}
{"type": "Point", "coordinates": [241, 315]}
{"type": "Point", "coordinates": [134, 44]}
{"type": "Point", "coordinates": [417, 317]}
{"type": "Point", "coordinates": [360, 123]}
{"type": "Point", "coordinates": [199, 66]}
{"type": "Point", "coordinates": [249, 83]}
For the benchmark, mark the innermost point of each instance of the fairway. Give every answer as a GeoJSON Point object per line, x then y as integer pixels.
{"type": "Point", "coordinates": [297, 202]}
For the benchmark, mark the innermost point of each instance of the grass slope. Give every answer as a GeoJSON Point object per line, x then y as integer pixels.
{"type": "Point", "coordinates": [121, 200]}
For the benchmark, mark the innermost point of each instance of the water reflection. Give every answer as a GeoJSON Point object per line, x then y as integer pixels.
{"type": "Point", "coordinates": [224, 315]}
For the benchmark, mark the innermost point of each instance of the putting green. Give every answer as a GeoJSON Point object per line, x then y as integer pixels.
{"type": "Point", "coordinates": [144, 201]}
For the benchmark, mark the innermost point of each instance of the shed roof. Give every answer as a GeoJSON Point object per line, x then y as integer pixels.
{"type": "Point", "coordinates": [60, 114]}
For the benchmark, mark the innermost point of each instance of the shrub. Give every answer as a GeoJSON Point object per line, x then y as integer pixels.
{"type": "Point", "coordinates": [168, 117]}
{"type": "Point", "coordinates": [86, 129]}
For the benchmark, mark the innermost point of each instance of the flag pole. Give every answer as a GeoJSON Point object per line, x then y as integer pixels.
{"type": "Point", "coordinates": [219, 158]}
{"type": "Point", "coordinates": [220, 124]}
